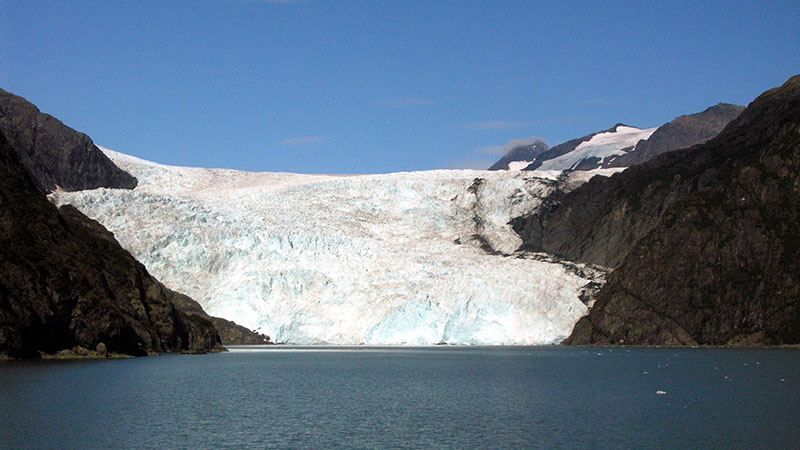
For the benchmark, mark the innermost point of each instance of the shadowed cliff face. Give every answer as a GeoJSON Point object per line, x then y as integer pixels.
{"type": "Point", "coordinates": [65, 282]}
{"type": "Point", "coordinates": [55, 154]}
{"type": "Point", "coordinates": [721, 263]}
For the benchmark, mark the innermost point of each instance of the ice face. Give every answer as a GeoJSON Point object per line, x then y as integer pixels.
{"type": "Point", "coordinates": [404, 258]}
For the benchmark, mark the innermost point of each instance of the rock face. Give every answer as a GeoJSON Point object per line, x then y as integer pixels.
{"type": "Point", "coordinates": [230, 332]}
{"type": "Point", "coordinates": [65, 282]}
{"type": "Point", "coordinates": [521, 154]}
{"type": "Point", "coordinates": [55, 154]}
{"type": "Point", "coordinates": [682, 132]}
{"type": "Point", "coordinates": [720, 264]}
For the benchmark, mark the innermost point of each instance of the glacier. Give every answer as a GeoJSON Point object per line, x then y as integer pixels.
{"type": "Point", "coordinates": [411, 258]}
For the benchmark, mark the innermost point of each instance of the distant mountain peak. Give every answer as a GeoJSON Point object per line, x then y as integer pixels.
{"type": "Point", "coordinates": [520, 155]}
{"type": "Point", "coordinates": [590, 151]}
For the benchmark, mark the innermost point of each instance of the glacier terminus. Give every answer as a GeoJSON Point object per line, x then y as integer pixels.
{"type": "Point", "coordinates": [411, 258]}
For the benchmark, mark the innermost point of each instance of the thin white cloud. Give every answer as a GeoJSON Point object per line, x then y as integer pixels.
{"type": "Point", "coordinates": [494, 125]}
{"type": "Point", "coordinates": [400, 102]}
{"type": "Point", "coordinates": [478, 160]}
{"type": "Point", "coordinates": [301, 140]}
{"type": "Point", "coordinates": [501, 150]}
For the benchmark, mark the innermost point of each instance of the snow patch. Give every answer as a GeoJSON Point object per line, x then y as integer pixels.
{"type": "Point", "coordinates": [518, 165]}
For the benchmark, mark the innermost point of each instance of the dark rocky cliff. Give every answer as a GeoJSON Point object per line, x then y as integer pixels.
{"type": "Point", "coordinates": [721, 262]}
{"type": "Point", "coordinates": [66, 282]}
{"type": "Point", "coordinates": [55, 154]}
{"type": "Point", "coordinates": [230, 332]}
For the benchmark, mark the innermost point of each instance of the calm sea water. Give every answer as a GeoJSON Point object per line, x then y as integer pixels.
{"type": "Point", "coordinates": [434, 397]}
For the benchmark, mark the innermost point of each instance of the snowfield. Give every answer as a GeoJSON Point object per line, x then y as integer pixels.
{"type": "Point", "coordinates": [403, 258]}
{"type": "Point", "coordinates": [600, 146]}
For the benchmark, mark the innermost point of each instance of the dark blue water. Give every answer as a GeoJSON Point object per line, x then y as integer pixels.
{"type": "Point", "coordinates": [440, 397]}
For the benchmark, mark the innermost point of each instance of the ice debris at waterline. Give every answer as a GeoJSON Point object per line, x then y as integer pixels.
{"type": "Point", "coordinates": [403, 258]}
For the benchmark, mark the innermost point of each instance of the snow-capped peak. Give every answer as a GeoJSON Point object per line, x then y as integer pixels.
{"type": "Point", "coordinates": [601, 146]}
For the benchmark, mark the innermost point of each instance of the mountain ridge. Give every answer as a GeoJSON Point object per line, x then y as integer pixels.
{"type": "Point", "coordinates": [601, 220]}
{"type": "Point", "coordinates": [683, 131]}
{"type": "Point", "coordinates": [720, 266]}
{"type": "Point", "coordinates": [564, 148]}
{"type": "Point", "coordinates": [54, 154]}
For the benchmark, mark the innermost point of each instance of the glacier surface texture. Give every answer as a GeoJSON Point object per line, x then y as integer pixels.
{"type": "Point", "coordinates": [406, 258]}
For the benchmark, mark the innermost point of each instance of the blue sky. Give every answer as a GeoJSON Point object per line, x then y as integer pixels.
{"type": "Point", "coordinates": [381, 86]}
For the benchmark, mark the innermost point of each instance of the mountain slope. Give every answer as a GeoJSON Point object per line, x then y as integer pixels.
{"type": "Point", "coordinates": [65, 282]}
{"type": "Point", "coordinates": [230, 332]}
{"type": "Point", "coordinates": [599, 149]}
{"type": "Point", "coordinates": [590, 152]}
{"type": "Point", "coordinates": [681, 132]}
{"type": "Point", "coordinates": [53, 153]}
{"type": "Point", "coordinates": [562, 149]}
{"type": "Point", "coordinates": [721, 266]}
